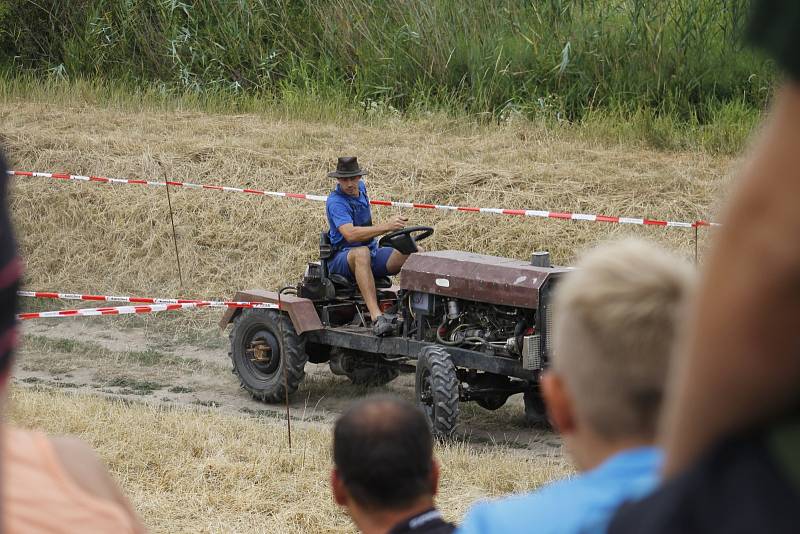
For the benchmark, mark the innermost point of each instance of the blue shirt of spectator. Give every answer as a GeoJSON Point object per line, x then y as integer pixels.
{"type": "Point", "coordinates": [342, 208]}
{"type": "Point", "coordinates": [584, 503]}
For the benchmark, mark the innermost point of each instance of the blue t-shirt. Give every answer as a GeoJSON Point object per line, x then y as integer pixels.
{"type": "Point", "coordinates": [341, 209]}
{"type": "Point", "coordinates": [584, 503]}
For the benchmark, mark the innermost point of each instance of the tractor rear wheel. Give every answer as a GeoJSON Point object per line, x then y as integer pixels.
{"type": "Point", "coordinates": [437, 390]}
{"type": "Point", "coordinates": [268, 355]}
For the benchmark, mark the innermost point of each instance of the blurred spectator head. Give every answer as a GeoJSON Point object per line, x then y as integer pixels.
{"type": "Point", "coordinates": [383, 457]}
{"type": "Point", "coordinates": [615, 324]}
{"type": "Point", "coordinates": [10, 272]}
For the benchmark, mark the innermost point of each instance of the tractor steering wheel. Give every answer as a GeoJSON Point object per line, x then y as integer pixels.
{"type": "Point", "coordinates": [403, 241]}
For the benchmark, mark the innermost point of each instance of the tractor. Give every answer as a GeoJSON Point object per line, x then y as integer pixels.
{"type": "Point", "coordinates": [471, 327]}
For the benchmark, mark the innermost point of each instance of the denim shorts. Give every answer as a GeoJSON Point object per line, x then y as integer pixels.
{"type": "Point", "coordinates": [380, 257]}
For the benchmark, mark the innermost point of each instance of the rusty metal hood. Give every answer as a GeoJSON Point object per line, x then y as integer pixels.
{"type": "Point", "coordinates": [478, 277]}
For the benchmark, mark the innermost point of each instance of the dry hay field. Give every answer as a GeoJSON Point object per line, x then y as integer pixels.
{"type": "Point", "coordinates": [80, 237]}
{"type": "Point", "coordinates": [154, 394]}
{"type": "Point", "coordinates": [203, 471]}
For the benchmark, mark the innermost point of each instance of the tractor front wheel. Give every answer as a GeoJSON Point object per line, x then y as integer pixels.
{"type": "Point", "coordinates": [268, 355]}
{"type": "Point", "coordinates": [437, 390]}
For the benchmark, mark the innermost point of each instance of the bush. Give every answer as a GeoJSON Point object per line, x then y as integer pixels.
{"type": "Point", "coordinates": [483, 57]}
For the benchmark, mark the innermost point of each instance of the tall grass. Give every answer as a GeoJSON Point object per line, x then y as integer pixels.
{"type": "Point", "coordinates": [494, 58]}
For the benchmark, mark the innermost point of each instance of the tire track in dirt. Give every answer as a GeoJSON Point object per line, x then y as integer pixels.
{"type": "Point", "coordinates": [142, 364]}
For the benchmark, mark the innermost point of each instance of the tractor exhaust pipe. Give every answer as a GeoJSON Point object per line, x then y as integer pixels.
{"type": "Point", "coordinates": [540, 259]}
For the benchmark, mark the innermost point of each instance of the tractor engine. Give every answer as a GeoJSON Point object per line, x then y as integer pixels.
{"type": "Point", "coordinates": [482, 326]}
{"type": "Point", "coordinates": [490, 328]}
{"type": "Point", "coordinates": [493, 305]}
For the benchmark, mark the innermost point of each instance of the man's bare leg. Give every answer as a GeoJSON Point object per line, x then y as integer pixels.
{"type": "Point", "coordinates": [395, 262]}
{"type": "Point", "coordinates": [360, 263]}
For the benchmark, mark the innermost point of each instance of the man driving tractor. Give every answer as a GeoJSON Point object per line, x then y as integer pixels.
{"type": "Point", "coordinates": [352, 234]}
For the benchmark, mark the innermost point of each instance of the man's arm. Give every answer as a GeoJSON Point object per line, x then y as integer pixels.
{"type": "Point", "coordinates": [742, 359]}
{"type": "Point", "coordinates": [355, 234]}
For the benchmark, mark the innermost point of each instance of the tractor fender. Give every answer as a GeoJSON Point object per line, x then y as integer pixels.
{"type": "Point", "coordinates": [301, 311]}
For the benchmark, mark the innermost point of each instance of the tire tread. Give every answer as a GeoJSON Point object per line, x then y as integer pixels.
{"type": "Point", "coordinates": [293, 354]}
{"type": "Point", "coordinates": [444, 387]}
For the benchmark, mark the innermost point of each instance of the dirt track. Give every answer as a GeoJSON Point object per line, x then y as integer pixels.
{"type": "Point", "coordinates": [109, 357]}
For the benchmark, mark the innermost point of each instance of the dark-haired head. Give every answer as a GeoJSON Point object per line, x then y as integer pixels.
{"type": "Point", "coordinates": [10, 272]}
{"type": "Point", "coordinates": [383, 454]}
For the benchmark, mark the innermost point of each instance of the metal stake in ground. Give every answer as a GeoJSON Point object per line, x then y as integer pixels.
{"type": "Point", "coordinates": [696, 226]}
{"type": "Point", "coordinates": [174, 235]}
{"type": "Point", "coordinates": [285, 375]}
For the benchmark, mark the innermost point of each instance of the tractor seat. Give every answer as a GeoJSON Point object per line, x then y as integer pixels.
{"type": "Point", "coordinates": [341, 283]}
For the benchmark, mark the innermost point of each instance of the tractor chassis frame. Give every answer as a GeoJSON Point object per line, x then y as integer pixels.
{"type": "Point", "coordinates": [362, 340]}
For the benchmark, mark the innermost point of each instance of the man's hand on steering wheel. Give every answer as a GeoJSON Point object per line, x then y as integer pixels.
{"type": "Point", "coordinates": [405, 240]}
{"type": "Point", "coordinates": [398, 222]}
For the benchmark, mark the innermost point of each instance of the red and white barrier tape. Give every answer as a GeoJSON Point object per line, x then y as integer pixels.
{"type": "Point", "coordinates": [112, 310]}
{"type": "Point", "coordinates": [322, 198]}
{"type": "Point", "coordinates": [144, 300]}
{"type": "Point", "coordinates": [153, 305]}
